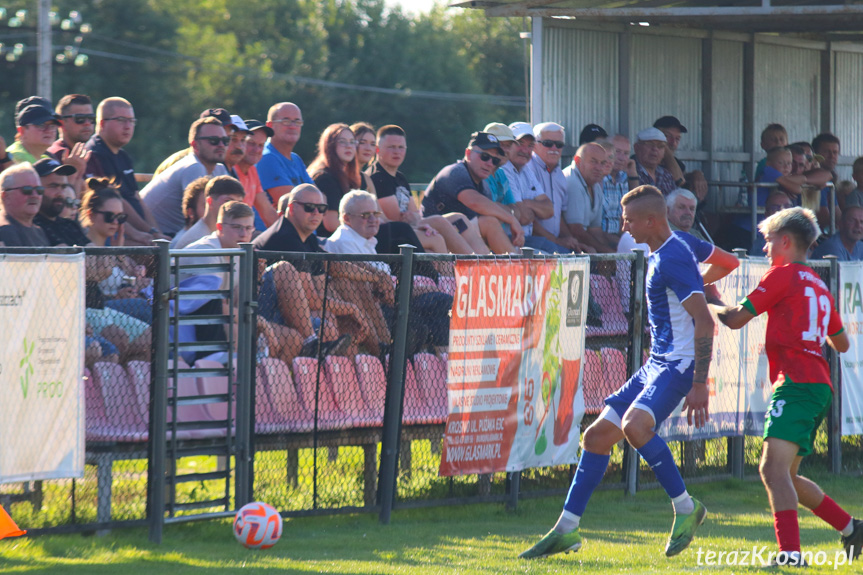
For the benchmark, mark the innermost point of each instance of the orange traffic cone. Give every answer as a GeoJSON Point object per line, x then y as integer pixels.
{"type": "Point", "coordinates": [8, 528]}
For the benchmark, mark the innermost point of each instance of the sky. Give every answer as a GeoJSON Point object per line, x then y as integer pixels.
{"type": "Point", "coordinates": [416, 6]}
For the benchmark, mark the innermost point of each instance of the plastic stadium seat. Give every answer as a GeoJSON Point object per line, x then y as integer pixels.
{"type": "Point", "coordinates": [593, 380]}
{"type": "Point", "coordinates": [346, 390]}
{"type": "Point", "coordinates": [215, 385]}
{"type": "Point", "coordinates": [305, 376]}
{"type": "Point", "coordinates": [614, 365]}
{"type": "Point", "coordinates": [425, 282]}
{"type": "Point", "coordinates": [278, 407]}
{"type": "Point", "coordinates": [416, 409]}
{"type": "Point", "coordinates": [189, 413]}
{"type": "Point", "coordinates": [607, 295]}
{"type": "Point", "coordinates": [97, 426]}
{"type": "Point", "coordinates": [446, 284]}
{"type": "Point", "coordinates": [120, 402]}
{"type": "Point", "coordinates": [431, 377]}
{"type": "Point", "coordinates": [373, 383]}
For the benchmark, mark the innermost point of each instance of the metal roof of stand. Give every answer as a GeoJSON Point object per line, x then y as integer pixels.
{"type": "Point", "coordinates": [832, 20]}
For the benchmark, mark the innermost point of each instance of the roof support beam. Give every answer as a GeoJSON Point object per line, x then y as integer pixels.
{"type": "Point", "coordinates": [636, 14]}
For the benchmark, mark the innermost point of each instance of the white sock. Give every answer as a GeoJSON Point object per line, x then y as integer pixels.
{"type": "Point", "coordinates": [849, 529]}
{"type": "Point", "coordinates": [567, 522]}
{"type": "Point", "coordinates": [683, 504]}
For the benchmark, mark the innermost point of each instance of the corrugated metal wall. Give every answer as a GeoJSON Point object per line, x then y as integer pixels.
{"type": "Point", "coordinates": [848, 111]}
{"type": "Point", "coordinates": [580, 79]}
{"type": "Point", "coordinates": [787, 91]}
{"type": "Point", "coordinates": [727, 65]}
{"type": "Point", "coordinates": [666, 80]}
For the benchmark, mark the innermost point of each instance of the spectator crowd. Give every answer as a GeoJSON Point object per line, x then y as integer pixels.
{"type": "Point", "coordinates": [67, 180]}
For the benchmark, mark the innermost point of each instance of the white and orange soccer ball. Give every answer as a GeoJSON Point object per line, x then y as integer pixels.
{"type": "Point", "coordinates": [257, 526]}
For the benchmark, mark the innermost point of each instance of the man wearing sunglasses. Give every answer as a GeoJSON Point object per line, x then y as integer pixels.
{"type": "Point", "coordinates": [77, 125]}
{"type": "Point", "coordinates": [164, 194]}
{"type": "Point", "coordinates": [55, 180]}
{"type": "Point", "coordinates": [544, 165]}
{"type": "Point", "coordinates": [456, 189]}
{"type": "Point", "coordinates": [21, 196]}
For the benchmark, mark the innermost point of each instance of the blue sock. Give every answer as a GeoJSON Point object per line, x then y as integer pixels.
{"type": "Point", "coordinates": [657, 455]}
{"type": "Point", "coordinates": [591, 468]}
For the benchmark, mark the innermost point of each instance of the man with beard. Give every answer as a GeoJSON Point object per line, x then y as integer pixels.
{"type": "Point", "coordinates": [77, 124]}
{"type": "Point", "coordinates": [55, 179]}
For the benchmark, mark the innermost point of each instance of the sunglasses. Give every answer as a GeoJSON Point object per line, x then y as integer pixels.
{"type": "Point", "coordinates": [310, 208]}
{"type": "Point", "coordinates": [110, 217]}
{"type": "Point", "coordinates": [552, 143]}
{"type": "Point", "coordinates": [81, 119]}
{"type": "Point", "coordinates": [485, 156]}
{"type": "Point", "coordinates": [71, 203]}
{"type": "Point", "coordinates": [216, 140]}
{"type": "Point", "coordinates": [368, 215]}
{"type": "Point", "coordinates": [28, 190]}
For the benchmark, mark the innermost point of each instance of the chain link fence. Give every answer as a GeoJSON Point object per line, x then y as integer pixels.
{"type": "Point", "coordinates": [327, 358]}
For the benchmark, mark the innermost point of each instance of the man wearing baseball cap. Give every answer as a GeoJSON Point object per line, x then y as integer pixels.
{"type": "Point", "coordinates": [36, 128]}
{"type": "Point", "coordinates": [457, 189]}
{"type": "Point", "coordinates": [55, 179]}
{"type": "Point", "coordinates": [221, 115]}
{"type": "Point", "coordinates": [256, 137]}
{"type": "Point", "coordinates": [531, 202]}
{"type": "Point", "coordinates": [650, 150]}
{"type": "Point", "coordinates": [694, 180]}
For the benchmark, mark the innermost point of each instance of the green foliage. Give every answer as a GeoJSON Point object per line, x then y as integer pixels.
{"type": "Point", "coordinates": [174, 58]}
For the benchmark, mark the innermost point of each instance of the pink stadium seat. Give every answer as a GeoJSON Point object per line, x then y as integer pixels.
{"type": "Point", "coordinates": [593, 380]}
{"type": "Point", "coordinates": [123, 413]}
{"type": "Point", "coordinates": [425, 282]}
{"type": "Point", "coordinates": [194, 413]}
{"type": "Point", "coordinates": [614, 365]}
{"type": "Point", "coordinates": [431, 377]}
{"type": "Point", "coordinates": [215, 385]}
{"type": "Point", "coordinates": [417, 409]}
{"type": "Point", "coordinates": [278, 407]}
{"type": "Point", "coordinates": [373, 383]}
{"type": "Point", "coordinates": [606, 294]}
{"type": "Point", "coordinates": [347, 392]}
{"type": "Point", "coordinates": [97, 426]}
{"type": "Point", "coordinates": [305, 376]}
{"type": "Point", "coordinates": [446, 284]}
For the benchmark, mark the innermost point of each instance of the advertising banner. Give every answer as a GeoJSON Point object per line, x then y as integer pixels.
{"type": "Point", "coordinates": [738, 379]}
{"type": "Point", "coordinates": [851, 309]}
{"type": "Point", "coordinates": [515, 365]}
{"type": "Point", "coordinates": [41, 363]}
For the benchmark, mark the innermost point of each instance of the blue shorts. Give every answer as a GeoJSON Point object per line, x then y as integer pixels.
{"type": "Point", "coordinates": [657, 388]}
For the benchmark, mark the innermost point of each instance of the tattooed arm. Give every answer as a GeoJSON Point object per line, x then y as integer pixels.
{"type": "Point", "coordinates": [697, 399]}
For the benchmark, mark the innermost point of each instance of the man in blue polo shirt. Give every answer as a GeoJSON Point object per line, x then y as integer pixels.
{"type": "Point", "coordinates": [280, 169]}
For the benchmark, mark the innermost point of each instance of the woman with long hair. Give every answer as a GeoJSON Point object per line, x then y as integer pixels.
{"type": "Point", "coordinates": [335, 171]}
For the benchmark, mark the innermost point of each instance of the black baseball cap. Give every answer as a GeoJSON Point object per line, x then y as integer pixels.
{"type": "Point", "coordinates": [220, 114]}
{"type": "Point", "coordinates": [253, 125]}
{"type": "Point", "coordinates": [47, 166]}
{"type": "Point", "coordinates": [36, 114]}
{"type": "Point", "coordinates": [485, 141]}
{"type": "Point", "coordinates": [33, 100]}
{"type": "Point", "coordinates": [591, 133]}
{"type": "Point", "coordinates": [669, 122]}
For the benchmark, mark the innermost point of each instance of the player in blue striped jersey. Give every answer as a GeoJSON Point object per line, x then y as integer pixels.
{"type": "Point", "coordinates": [681, 330]}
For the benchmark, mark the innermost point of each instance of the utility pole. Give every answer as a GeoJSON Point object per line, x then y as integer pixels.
{"type": "Point", "coordinates": [45, 50]}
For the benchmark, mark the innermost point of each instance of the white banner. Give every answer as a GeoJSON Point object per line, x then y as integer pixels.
{"type": "Point", "coordinates": [851, 309]}
{"type": "Point", "coordinates": [41, 363]}
{"type": "Point", "coordinates": [738, 379]}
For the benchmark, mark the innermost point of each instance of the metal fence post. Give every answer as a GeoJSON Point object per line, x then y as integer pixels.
{"type": "Point", "coordinates": [245, 376]}
{"type": "Point", "coordinates": [834, 419]}
{"type": "Point", "coordinates": [737, 444]}
{"type": "Point", "coordinates": [159, 394]}
{"type": "Point", "coordinates": [630, 455]}
{"type": "Point", "coordinates": [395, 389]}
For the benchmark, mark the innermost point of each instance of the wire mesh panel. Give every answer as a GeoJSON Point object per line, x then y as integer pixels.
{"type": "Point", "coordinates": [116, 389]}
{"type": "Point", "coordinates": [325, 333]}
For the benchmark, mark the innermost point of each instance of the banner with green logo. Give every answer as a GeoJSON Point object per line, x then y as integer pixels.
{"type": "Point", "coordinates": [41, 364]}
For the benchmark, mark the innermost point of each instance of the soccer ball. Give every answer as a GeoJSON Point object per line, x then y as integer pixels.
{"type": "Point", "coordinates": [257, 526]}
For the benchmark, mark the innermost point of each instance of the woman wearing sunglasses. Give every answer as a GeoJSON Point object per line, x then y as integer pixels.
{"type": "Point", "coordinates": [114, 310]}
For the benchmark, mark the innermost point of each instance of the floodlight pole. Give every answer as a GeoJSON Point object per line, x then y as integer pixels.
{"type": "Point", "coordinates": [45, 52]}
